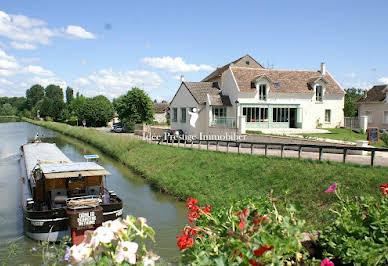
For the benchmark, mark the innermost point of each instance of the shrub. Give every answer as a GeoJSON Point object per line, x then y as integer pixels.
{"type": "Point", "coordinates": [250, 231]}
{"type": "Point", "coordinates": [384, 138]}
{"type": "Point", "coordinates": [48, 118]}
{"type": "Point", "coordinates": [358, 233]}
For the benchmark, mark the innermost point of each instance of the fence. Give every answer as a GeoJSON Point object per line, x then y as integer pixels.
{"type": "Point", "coordinates": [352, 123]}
{"type": "Point", "coordinates": [282, 146]}
{"type": "Point", "coordinates": [223, 122]}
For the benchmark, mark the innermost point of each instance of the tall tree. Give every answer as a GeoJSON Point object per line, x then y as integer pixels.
{"type": "Point", "coordinates": [134, 107]}
{"type": "Point", "coordinates": [351, 97]}
{"type": "Point", "coordinates": [53, 104]}
{"type": "Point", "coordinates": [96, 111]}
{"type": "Point", "coordinates": [54, 92]}
{"type": "Point", "coordinates": [69, 95]}
{"type": "Point", "coordinates": [34, 94]}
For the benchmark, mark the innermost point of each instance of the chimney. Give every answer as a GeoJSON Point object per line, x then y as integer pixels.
{"type": "Point", "coordinates": [219, 66]}
{"type": "Point", "coordinates": [182, 78]}
{"type": "Point", "coordinates": [323, 68]}
{"type": "Point", "coordinates": [365, 94]}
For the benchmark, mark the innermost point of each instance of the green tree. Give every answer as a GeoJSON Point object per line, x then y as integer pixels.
{"type": "Point", "coordinates": [134, 107]}
{"type": "Point", "coordinates": [8, 109]}
{"type": "Point", "coordinates": [69, 95]}
{"type": "Point", "coordinates": [34, 94]}
{"type": "Point", "coordinates": [53, 104]}
{"type": "Point", "coordinates": [96, 111]}
{"type": "Point", "coordinates": [351, 97]}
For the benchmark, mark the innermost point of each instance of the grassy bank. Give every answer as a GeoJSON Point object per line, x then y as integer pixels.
{"type": "Point", "coordinates": [217, 178]}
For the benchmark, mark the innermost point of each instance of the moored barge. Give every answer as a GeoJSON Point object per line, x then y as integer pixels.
{"type": "Point", "coordinates": [63, 198]}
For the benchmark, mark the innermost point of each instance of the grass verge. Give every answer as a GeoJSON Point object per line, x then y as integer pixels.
{"type": "Point", "coordinates": [218, 178]}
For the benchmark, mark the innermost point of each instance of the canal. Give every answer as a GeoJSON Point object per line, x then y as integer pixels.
{"type": "Point", "coordinates": [165, 214]}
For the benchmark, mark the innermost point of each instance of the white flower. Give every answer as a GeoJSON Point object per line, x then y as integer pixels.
{"type": "Point", "coordinates": [79, 253]}
{"type": "Point", "coordinates": [126, 251]}
{"type": "Point", "coordinates": [150, 258]}
{"type": "Point", "coordinates": [101, 235]}
{"type": "Point", "coordinates": [115, 226]}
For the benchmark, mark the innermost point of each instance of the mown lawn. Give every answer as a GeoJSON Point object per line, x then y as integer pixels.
{"type": "Point", "coordinates": [339, 134]}
{"type": "Point", "coordinates": [218, 178]}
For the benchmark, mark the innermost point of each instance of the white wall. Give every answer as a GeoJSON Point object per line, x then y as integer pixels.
{"type": "Point", "coordinates": [183, 98]}
{"type": "Point", "coordinates": [377, 111]}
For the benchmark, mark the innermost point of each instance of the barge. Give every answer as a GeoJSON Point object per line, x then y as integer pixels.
{"type": "Point", "coordinates": [63, 198]}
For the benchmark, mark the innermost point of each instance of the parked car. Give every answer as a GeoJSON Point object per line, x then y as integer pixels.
{"type": "Point", "coordinates": [174, 135]}
{"type": "Point", "coordinates": [117, 128]}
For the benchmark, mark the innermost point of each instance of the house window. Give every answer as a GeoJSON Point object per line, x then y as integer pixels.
{"type": "Point", "coordinates": [219, 112]}
{"type": "Point", "coordinates": [318, 93]}
{"type": "Point", "coordinates": [253, 85]}
{"type": "Point", "coordinates": [327, 116]}
{"type": "Point", "coordinates": [280, 115]}
{"type": "Point", "coordinates": [247, 62]}
{"type": "Point", "coordinates": [385, 117]}
{"type": "Point", "coordinates": [183, 115]}
{"type": "Point", "coordinates": [174, 114]}
{"type": "Point", "coordinates": [369, 115]}
{"type": "Point", "coordinates": [255, 114]}
{"type": "Point", "coordinates": [263, 92]}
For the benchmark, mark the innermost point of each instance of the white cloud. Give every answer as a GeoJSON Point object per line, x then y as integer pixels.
{"type": "Point", "coordinates": [79, 32]}
{"type": "Point", "coordinates": [37, 70]}
{"type": "Point", "coordinates": [357, 84]}
{"type": "Point", "coordinates": [351, 75]}
{"type": "Point", "coordinates": [27, 32]}
{"type": "Point", "coordinates": [47, 81]}
{"type": "Point", "coordinates": [5, 82]}
{"type": "Point", "coordinates": [383, 80]}
{"type": "Point", "coordinates": [23, 45]}
{"type": "Point", "coordinates": [113, 83]}
{"type": "Point", "coordinates": [174, 64]}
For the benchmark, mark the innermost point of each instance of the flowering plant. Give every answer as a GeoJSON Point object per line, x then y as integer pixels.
{"type": "Point", "coordinates": [116, 242]}
{"type": "Point", "coordinates": [358, 233]}
{"type": "Point", "coordinates": [251, 231]}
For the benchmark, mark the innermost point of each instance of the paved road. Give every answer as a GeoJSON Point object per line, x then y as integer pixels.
{"type": "Point", "coordinates": [381, 158]}
{"type": "Point", "coordinates": [359, 159]}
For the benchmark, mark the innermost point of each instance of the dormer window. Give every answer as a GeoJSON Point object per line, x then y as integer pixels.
{"type": "Point", "coordinates": [263, 92]}
{"type": "Point", "coordinates": [318, 93]}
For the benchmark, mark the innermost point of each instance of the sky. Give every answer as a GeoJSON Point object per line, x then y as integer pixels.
{"type": "Point", "coordinates": [108, 47]}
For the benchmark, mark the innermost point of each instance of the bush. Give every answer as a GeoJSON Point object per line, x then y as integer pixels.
{"type": "Point", "coordinates": [48, 118]}
{"type": "Point", "coordinates": [358, 233]}
{"type": "Point", "coordinates": [250, 231]}
{"type": "Point", "coordinates": [384, 138]}
{"type": "Point", "coordinates": [72, 121]}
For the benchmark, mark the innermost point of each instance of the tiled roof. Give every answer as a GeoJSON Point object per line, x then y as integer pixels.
{"type": "Point", "coordinates": [200, 90]}
{"type": "Point", "coordinates": [160, 107]}
{"type": "Point", "coordinates": [284, 81]}
{"type": "Point", "coordinates": [218, 72]}
{"type": "Point", "coordinates": [376, 94]}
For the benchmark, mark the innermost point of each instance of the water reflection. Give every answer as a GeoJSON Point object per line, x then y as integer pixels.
{"type": "Point", "coordinates": [166, 215]}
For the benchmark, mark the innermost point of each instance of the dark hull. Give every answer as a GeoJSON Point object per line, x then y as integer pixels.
{"type": "Point", "coordinates": [53, 224]}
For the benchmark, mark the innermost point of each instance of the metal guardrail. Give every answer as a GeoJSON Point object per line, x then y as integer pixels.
{"type": "Point", "coordinates": [282, 147]}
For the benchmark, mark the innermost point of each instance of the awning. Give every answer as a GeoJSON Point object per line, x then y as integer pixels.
{"type": "Point", "coordinates": [76, 173]}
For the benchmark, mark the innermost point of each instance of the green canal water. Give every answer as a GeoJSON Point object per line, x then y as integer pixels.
{"type": "Point", "coordinates": [165, 214]}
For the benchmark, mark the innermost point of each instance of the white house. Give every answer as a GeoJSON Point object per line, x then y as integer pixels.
{"type": "Point", "coordinates": [244, 95]}
{"type": "Point", "coordinates": [374, 105]}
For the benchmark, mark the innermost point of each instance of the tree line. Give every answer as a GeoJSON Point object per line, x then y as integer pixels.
{"type": "Point", "coordinates": [49, 103]}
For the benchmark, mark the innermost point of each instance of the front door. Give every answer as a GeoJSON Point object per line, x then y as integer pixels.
{"type": "Point", "coordinates": [293, 117]}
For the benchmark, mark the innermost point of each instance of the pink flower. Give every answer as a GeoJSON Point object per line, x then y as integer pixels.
{"type": "Point", "coordinates": [327, 262]}
{"type": "Point", "coordinates": [331, 189]}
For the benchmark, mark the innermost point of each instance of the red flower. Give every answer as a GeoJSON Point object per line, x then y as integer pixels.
{"type": "Point", "coordinates": [261, 250]}
{"type": "Point", "coordinates": [186, 239]}
{"type": "Point", "coordinates": [193, 214]}
{"type": "Point", "coordinates": [252, 262]}
{"type": "Point", "coordinates": [384, 189]}
{"type": "Point", "coordinates": [184, 242]}
{"type": "Point", "coordinates": [207, 209]}
{"type": "Point", "coordinates": [191, 202]}
{"type": "Point", "coordinates": [259, 219]}
{"type": "Point", "coordinates": [241, 225]}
